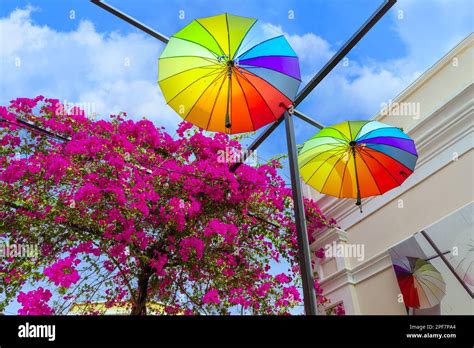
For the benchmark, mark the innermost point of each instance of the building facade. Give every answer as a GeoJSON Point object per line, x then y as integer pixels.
{"type": "Point", "coordinates": [437, 112]}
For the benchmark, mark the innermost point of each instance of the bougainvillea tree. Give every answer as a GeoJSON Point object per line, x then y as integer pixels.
{"type": "Point", "coordinates": [124, 214]}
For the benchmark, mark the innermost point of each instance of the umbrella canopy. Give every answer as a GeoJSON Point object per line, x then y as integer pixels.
{"type": "Point", "coordinates": [356, 159]}
{"type": "Point", "coordinates": [463, 259]}
{"type": "Point", "coordinates": [228, 74]}
{"type": "Point", "coordinates": [421, 284]}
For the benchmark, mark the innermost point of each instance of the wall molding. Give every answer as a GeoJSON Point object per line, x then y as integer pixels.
{"type": "Point", "coordinates": [352, 276]}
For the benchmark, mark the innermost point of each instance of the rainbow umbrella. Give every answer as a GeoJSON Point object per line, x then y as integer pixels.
{"type": "Point", "coordinates": [357, 159]}
{"type": "Point", "coordinates": [421, 284]}
{"type": "Point", "coordinates": [463, 259]}
{"type": "Point", "coordinates": [228, 74]}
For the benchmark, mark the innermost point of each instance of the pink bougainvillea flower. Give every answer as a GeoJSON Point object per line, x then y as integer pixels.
{"type": "Point", "coordinates": [35, 302]}
{"type": "Point", "coordinates": [282, 278]}
{"type": "Point", "coordinates": [63, 272]}
{"type": "Point", "coordinates": [190, 244]}
{"type": "Point", "coordinates": [212, 296]}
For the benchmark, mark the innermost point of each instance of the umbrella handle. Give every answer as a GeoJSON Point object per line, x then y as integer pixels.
{"type": "Point", "coordinates": [228, 124]}
{"type": "Point", "coordinates": [359, 201]}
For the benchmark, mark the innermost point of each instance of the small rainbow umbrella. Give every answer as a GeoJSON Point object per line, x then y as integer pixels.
{"type": "Point", "coordinates": [228, 74]}
{"type": "Point", "coordinates": [463, 259]}
{"type": "Point", "coordinates": [421, 284]}
{"type": "Point", "coordinates": [356, 159]}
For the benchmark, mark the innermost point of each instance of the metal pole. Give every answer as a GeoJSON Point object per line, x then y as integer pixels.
{"type": "Point", "coordinates": [130, 20]}
{"type": "Point", "coordinates": [300, 221]}
{"type": "Point", "coordinates": [266, 133]}
{"type": "Point", "coordinates": [344, 50]}
{"type": "Point", "coordinates": [308, 119]}
{"type": "Point", "coordinates": [445, 260]}
{"type": "Point", "coordinates": [256, 143]}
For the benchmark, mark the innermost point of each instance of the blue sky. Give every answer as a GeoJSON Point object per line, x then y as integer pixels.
{"type": "Point", "coordinates": [81, 59]}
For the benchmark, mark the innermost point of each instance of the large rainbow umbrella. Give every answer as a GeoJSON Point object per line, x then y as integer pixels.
{"type": "Point", "coordinates": [421, 284]}
{"type": "Point", "coordinates": [356, 159]}
{"type": "Point", "coordinates": [229, 74]}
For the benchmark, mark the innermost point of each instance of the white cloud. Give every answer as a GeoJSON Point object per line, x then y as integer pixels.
{"type": "Point", "coordinates": [112, 72]}
{"type": "Point", "coordinates": [430, 28]}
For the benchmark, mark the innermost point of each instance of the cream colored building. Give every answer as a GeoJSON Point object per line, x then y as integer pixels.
{"type": "Point", "coordinates": [437, 112]}
{"type": "Point", "coordinates": [83, 308]}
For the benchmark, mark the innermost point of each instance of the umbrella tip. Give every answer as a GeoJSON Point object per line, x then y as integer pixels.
{"type": "Point", "coordinates": [359, 204]}
{"type": "Point", "coordinates": [228, 125]}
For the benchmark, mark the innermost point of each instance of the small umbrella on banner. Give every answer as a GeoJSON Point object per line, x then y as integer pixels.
{"type": "Point", "coordinates": [463, 259]}
{"type": "Point", "coordinates": [421, 284]}
{"type": "Point", "coordinates": [357, 159]}
{"type": "Point", "coordinates": [228, 74]}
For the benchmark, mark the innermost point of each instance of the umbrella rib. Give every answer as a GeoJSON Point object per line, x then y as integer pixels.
{"type": "Point", "coordinates": [385, 136]}
{"type": "Point", "coordinates": [332, 169]}
{"type": "Point", "coordinates": [358, 132]}
{"type": "Point", "coordinates": [427, 287]}
{"type": "Point", "coordinates": [380, 164]}
{"type": "Point", "coordinates": [350, 129]}
{"type": "Point", "coordinates": [319, 154]}
{"type": "Point", "coordinates": [436, 279]}
{"type": "Point", "coordinates": [395, 147]}
{"type": "Point", "coordinates": [337, 130]}
{"type": "Point", "coordinates": [214, 104]}
{"type": "Point", "coordinates": [258, 92]}
{"type": "Point", "coordinates": [243, 66]}
{"type": "Point", "coordinates": [197, 100]}
{"type": "Point", "coordinates": [326, 144]}
{"type": "Point", "coordinates": [272, 55]}
{"type": "Point", "coordinates": [202, 77]}
{"type": "Point", "coordinates": [273, 71]}
{"type": "Point", "coordinates": [245, 35]}
{"type": "Point", "coordinates": [261, 42]}
{"type": "Point", "coordinates": [228, 34]}
{"type": "Point", "coordinates": [318, 135]}
{"type": "Point", "coordinates": [343, 175]}
{"type": "Point", "coordinates": [392, 158]}
{"type": "Point", "coordinates": [327, 159]}
{"type": "Point", "coordinates": [371, 174]}
{"type": "Point", "coordinates": [186, 70]}
{"type": "Point", "coordinates": [369, 145]}
{"type": "Point", "coordinates": [212, 60]}
{"type": "Point", "coordinates": [212, 36]}
{"type": "Point", "coordinates": [246, 101]}
{"type": "Point", "coordinates": [467, 270]}
{"type": "Point", "coordinates": [374, 130]}
{"type": "Point", "coordinates": [196, 43]}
